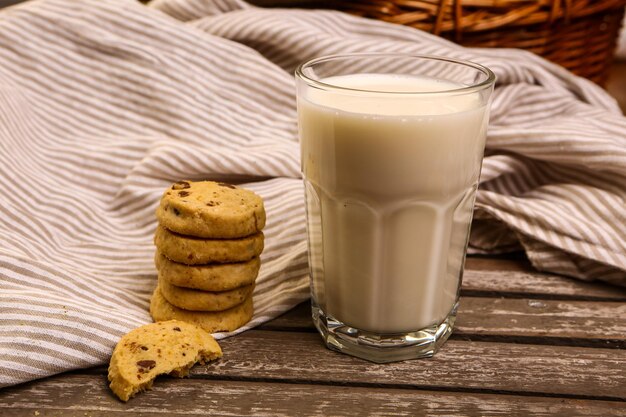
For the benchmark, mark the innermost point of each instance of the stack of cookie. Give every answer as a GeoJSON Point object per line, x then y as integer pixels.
{"type": "Point", "coordinates": [208, 243]}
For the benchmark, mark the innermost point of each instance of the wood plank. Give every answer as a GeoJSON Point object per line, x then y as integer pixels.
{"type": "Point", "coordinates": [513, 278]}
{"type": "Point", "coordinates": [514, 273]}
{"type": "Point", "coordinates": [575, 323]}
{"type": "Point", "coordinates": [296, 319]}
{"type": "Point", "coordinates": [460, 365]}
{"type": "Point", "coordinates": [591, 323]}
{"type": "Point", "coordinates": [79, 395]}
{"type": "Point", "coordinates": [508, 262]}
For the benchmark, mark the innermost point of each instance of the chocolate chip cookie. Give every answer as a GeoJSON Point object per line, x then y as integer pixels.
{"type": "Point", "coordinates": [211, 321]}
{"type": "Point", "coordinates": [211, 277]}
{"type": "Point", "coordinates": [169, 347]}
{"type": "Point", "coordinates": [196, 300]}
{"type": "Point", "coordinates": [192, 250]}
{"type": "Point", "coordinates": [211, 210]}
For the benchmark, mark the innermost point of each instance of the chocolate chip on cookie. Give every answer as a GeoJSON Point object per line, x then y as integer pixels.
{"type": "Point", "coordinates": [181, 185]}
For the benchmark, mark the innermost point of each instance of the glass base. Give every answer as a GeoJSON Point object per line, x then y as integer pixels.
{"type": "Point", "coordinates": [382, 348]}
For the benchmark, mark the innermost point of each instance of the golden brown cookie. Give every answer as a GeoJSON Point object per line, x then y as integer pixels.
{"type": "Point", "coordinates": [194, 250]}
{"type": "Point", "coordinates": [211, 321]}
{"type": "Point", "coordinates": [211, 210]}
{"type": "Point", "coordinates": [211, 277]}
{"type": "Point", "coordinates": [169, 347]}
{"type": "Point", "coordinates": [196, 300]}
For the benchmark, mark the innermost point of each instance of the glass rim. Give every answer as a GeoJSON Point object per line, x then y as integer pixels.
{"type": "Point", "coordinates": [486, 83]}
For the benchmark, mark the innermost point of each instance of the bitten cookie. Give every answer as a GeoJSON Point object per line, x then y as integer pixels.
{"type": "Point", "coordinates": [169, 347]}
{"type": "Point", "coordinates": [215, 321]}
{"type": "Point", "coordinates": [212, 277]}
{"type": "Point", "coordinates": [203, 300]}
{"type": "Point", "coordinates": [211, 210]}
{"type": "Point", "coordinates": [193, 251]}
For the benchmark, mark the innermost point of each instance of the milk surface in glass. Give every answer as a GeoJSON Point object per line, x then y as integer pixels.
{"type": "Point", "coordinates": [390, 182]}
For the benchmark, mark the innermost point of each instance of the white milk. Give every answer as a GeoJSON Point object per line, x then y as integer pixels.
{"type": "Point", "coordinates": [390, 181]}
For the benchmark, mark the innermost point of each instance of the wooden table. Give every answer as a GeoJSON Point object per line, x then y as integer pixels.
{"type": "Point", "coordinates": [525, 344]}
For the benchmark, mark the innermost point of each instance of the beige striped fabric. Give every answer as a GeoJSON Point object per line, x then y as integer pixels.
{"type": "Point", "coordinates": [105, 103]}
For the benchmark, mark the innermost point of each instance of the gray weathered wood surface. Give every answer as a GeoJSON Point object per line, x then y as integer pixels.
{"type": "Point", "coordinates": [526, 344]}
{"type": "Point", "coordinates": [579, 323]}
{"type": "Point", "coordinates": [88, 395]}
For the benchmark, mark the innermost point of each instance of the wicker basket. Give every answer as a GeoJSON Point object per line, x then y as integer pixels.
{"type": "Point", "coordinates": [578, 34]}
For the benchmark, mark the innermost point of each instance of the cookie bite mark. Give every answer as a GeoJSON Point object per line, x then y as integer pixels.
{"type": "Point", "coordinates": [134, 370]}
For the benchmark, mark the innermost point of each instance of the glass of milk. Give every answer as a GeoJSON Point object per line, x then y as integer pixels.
{"type": "Point", "coordinates": [391, 147]}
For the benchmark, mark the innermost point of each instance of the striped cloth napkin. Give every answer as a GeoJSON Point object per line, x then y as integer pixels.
{"type": "Point", "coordinates": [105, 103]}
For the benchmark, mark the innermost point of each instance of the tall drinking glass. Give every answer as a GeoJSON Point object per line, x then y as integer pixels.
{"type": "Point", "coordinates": [392, 147]}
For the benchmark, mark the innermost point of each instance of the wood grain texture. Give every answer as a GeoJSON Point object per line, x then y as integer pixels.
{"type": "Point", "coordinates": [506, 262]}
{"type": "Point", "coordinates": [528, 284]}
{"type": "Point", "coordinates": [460, 365]}
{"type": "Point", "coordinates": [79, 395]}
{"type": "Point", "coordinates": [578, 323]}
{"type": "Point", "coordinates": [296, 319]}
{"type": "Point", "coordinates": [513, 275]}
{"type": "Point", "coordinates": [602, 322]}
